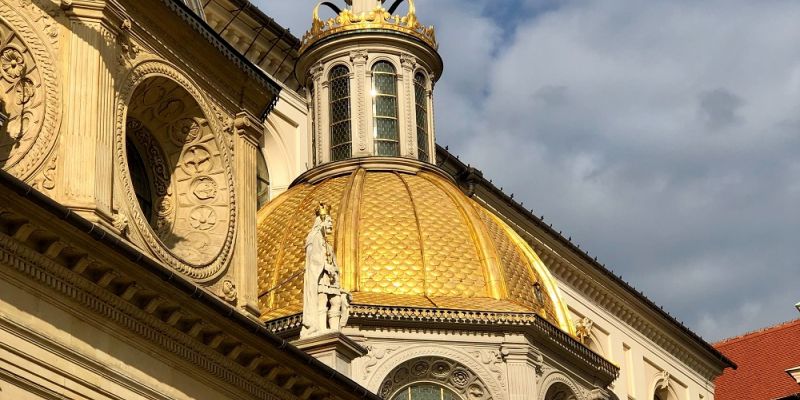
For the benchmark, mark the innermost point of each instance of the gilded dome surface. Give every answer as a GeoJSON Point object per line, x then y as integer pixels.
{"type": "Point", "coordinates": [403, 237]}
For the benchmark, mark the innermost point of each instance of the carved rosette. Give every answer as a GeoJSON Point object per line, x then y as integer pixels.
{"type": "Point", "coordinates": [481, 381]}
{"type": "Point", "coordinates": [189, 163]}
{"type": "Point", "coordinates": [448, 373]}
{"type": "Point", "coordinates": [29, 91]}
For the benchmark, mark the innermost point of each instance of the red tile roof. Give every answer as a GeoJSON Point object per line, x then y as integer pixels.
{"type": "Point", "coordinates": [763, 358]}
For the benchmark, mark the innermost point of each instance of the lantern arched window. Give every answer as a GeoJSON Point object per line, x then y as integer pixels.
{"type": "Point", "coordinates": [341, 134]}
{"type": "Point", "coordinates": [421, 101]}
{"type": "Point", "coordinates": [386, 132]}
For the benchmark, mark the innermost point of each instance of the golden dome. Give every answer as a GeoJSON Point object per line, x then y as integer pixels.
{"type": "Point", "coordinates": [404, 235]}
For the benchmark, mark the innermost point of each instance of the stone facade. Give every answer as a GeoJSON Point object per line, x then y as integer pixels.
{"type": "Point", "coordinates": [111, 288]}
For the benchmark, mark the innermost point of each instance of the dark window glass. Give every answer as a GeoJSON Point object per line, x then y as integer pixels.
{"type": "Point", "coordinates": [262, 180]}
{"type": "Point", "coordinates": [426, 391]}
{"type": "Point", "coordinates": [341, 134]}
{"type": "Point", "coordinates": [140, 179]}
{"type": "Point", "coordinates": [421, 100]}
{"type": "Point", "coordinates": [386, 132]}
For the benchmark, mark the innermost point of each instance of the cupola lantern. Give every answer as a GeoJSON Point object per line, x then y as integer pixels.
{"type": "Point", "coordinates": [370, 74]}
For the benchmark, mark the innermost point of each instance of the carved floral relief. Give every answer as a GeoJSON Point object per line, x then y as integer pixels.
{"type": "Point", "coordinates": [29, 94]}
{"type": "Point", "coordinates": [188, 166]}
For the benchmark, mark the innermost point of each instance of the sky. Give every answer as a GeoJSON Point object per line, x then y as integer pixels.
{"type": "Point", "coordinates": [662, 136]}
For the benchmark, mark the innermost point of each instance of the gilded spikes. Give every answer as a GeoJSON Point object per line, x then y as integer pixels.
{"type": "Point", "coordinates": [322, 210]}
{"type": "Point", "coordinates": [378, 18]}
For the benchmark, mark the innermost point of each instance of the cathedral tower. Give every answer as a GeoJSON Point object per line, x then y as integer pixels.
{"type": "Point", "coordinates": [370, 74]}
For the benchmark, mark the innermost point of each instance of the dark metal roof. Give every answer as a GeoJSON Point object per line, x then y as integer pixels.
{"type": "Point", "coordinates": [253, 71]}
{"type": "Point", "coordinates": [464, 170]}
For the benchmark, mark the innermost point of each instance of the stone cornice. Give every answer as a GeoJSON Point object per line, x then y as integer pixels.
{"type": "Point", "coordinates": [149, 303]}
{"type": "Point", "coordinates": [436, 318]}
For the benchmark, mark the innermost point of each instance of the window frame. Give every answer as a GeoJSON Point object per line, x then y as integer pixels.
{"type": "Point", "coordinates": [136, 164]}
{"type": "Point", "coordinates": [407, 390]}
{"type": "Point", "coordinates": [347, 120]}
{"type": "Point", "coordinates": [376, 98]}
{"type": "Point", "coordinates": [423, 132]}
{"type": "Point", "coordinates": [261, 198]}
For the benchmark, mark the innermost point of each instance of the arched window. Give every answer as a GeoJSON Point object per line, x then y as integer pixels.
{"type": "Point", "coordinates": [560, 391]}
{"type": "Point", "coordinates": [384, 107]}
{"type": "Point", "coordinates": [341, 136]}
{"type": "Point", "coordinates": [139, 179]}
{"type": "Point", "coordinates": [426, 391]}
{"type": "Point", "coordinates": [662, 394]}
{"type": "Point", "coordinates": [421, 99]}
{"type": "Point", "coordinates": [433, 378]}
{"type": "Point", "coordinates": [262, 180]}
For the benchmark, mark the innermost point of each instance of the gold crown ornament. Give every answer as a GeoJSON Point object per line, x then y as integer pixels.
{"type": "Point", "coordinates": [378, 18]}
{"type": "Point", "coordinates": [322, 210]}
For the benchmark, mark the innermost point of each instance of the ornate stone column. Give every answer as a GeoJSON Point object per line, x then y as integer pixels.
{"type": "Point", "coordinates": [431, 121]}
{"type": "Point", "coordinates": [317, 123]}
{"type": "Point", "coordinates": [87, 148]}
{"type": "Point", "coordinates": [362, 105]}
{"type": "Point", "coordinates": [408, 136]}
{"type": "Point", "coordinates": [249, 131]}
{"type": "Point", "coordinates": [523, 365]}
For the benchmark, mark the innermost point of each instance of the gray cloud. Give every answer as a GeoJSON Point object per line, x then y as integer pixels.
{"type": "Point", "coordinates": [719, 109]}
{"type": "Point", "coordinates": [601, 115]}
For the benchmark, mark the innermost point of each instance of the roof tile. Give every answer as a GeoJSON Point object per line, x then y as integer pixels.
{"type": "Point", "coordinates": [763, 358]}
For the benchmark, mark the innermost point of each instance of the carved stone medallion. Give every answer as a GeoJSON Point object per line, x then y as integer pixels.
{"type": "Point", "coordinates": [193, 224]}
{"type": "Point", "coordinates": [29, 95]}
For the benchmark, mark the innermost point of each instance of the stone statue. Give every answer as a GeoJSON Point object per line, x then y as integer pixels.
{"type": "Point", "coordinates": [325, 304]}
{"type": "Point", "coordinates": [583, 329]}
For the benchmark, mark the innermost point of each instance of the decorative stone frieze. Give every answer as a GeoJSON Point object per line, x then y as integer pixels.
{"type": "Point", "coordinates": [493, 360]}
{"type": "Point", "coordinates": [374, 355]}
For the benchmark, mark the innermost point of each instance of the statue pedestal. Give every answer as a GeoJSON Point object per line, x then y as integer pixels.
{"type": "Point", "coordinates": [334, 349]}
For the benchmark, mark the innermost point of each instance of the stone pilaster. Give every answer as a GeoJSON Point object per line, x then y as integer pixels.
{"type": "Point", "coordinates": [317, 124]}
{"type": "Point", "coordinates": [87, 147]}
{"type": "Point", "coordinates": [324, 119]}
{"type": "Point", "coordinates": [408, 110]}
{"type": "Point", "coordinates": [249, 131]}
{"type": "Point", "coordinates": [523, 363]}
{"type": "Point", "coordinates": [362, 105]}
{"type": "Point", "coordinates": [431, 123]}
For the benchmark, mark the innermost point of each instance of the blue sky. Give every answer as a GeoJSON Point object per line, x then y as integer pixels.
{"type": "Point", "coordinates": [663, 136]}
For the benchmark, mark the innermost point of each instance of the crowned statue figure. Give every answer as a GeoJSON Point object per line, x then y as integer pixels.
{"type": "Point", "coordinates": [325, 304]}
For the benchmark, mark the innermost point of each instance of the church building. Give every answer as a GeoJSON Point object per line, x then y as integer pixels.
{"type": "Point", "coordinates": [196, 204]}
